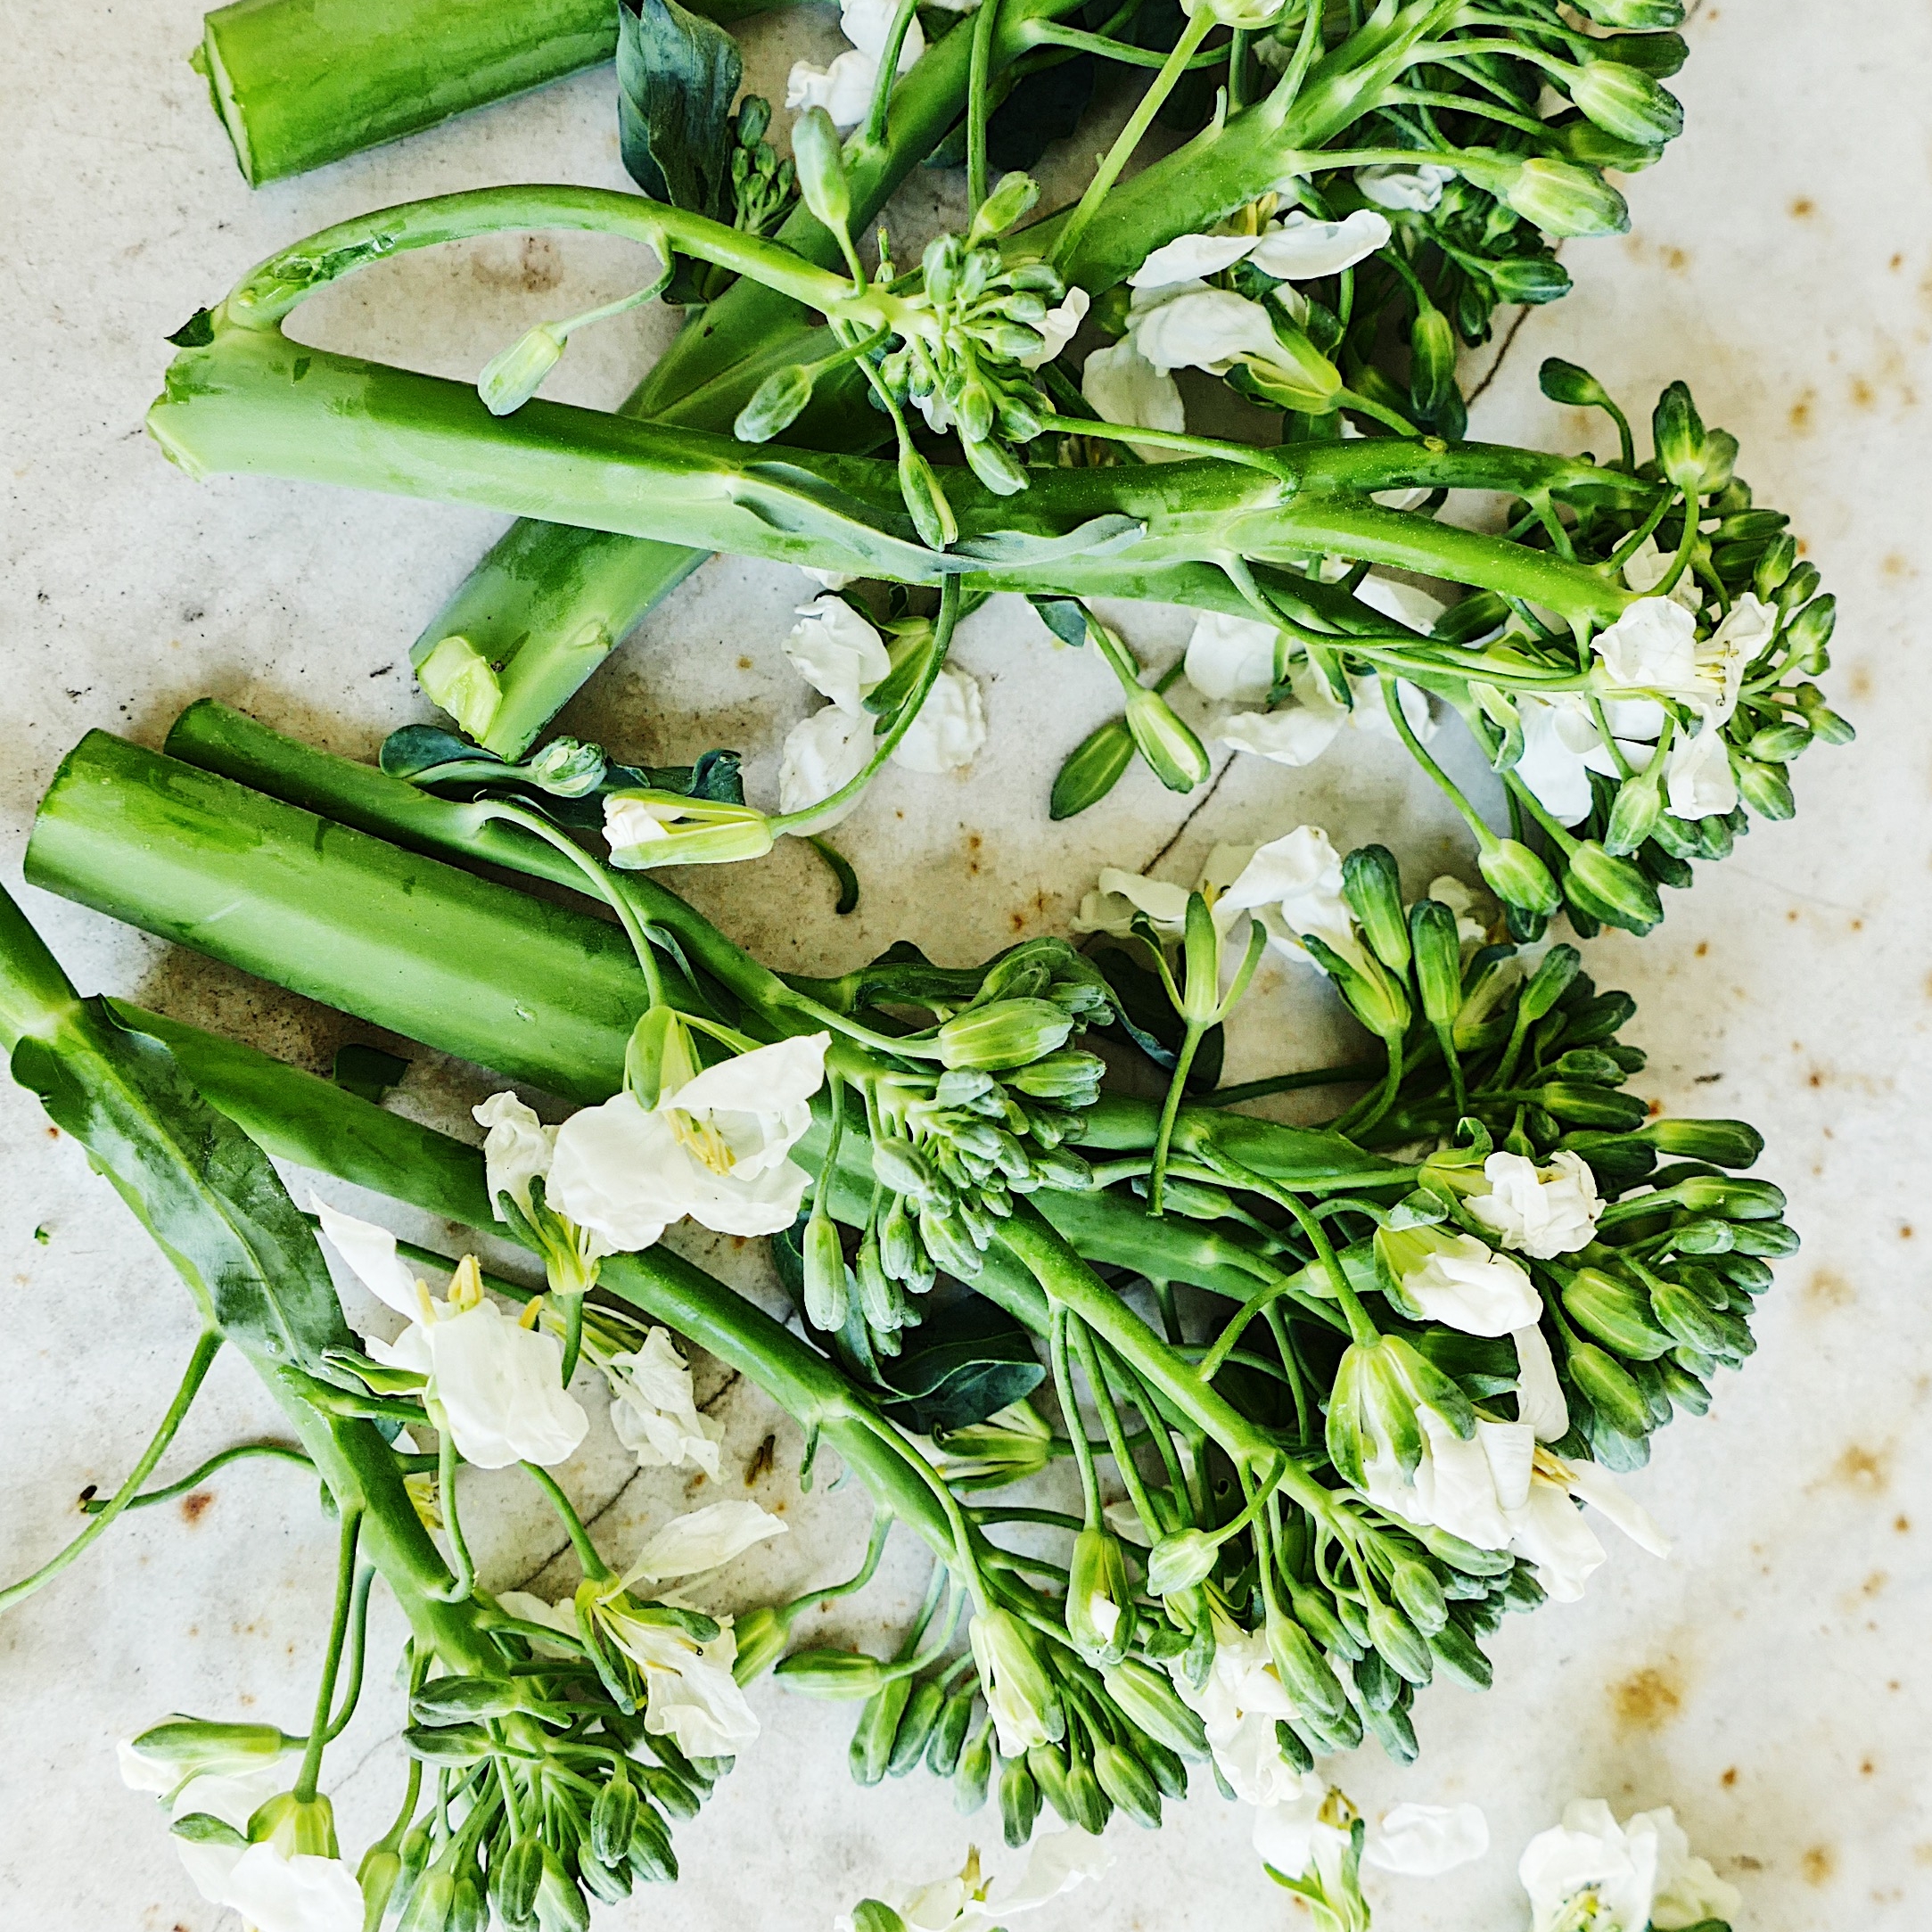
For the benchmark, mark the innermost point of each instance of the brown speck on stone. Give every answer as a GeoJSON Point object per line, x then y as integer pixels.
{"type": "Point", "coordinates": [1818, 1865]}
{"type": "Point", "coordinates": [1867, 1470]}
{"type": "Point", "coordinates": [763, 1458]}
{"type": "Point", "coordinates": [1730, 1777]}
{"type": "Point", "coordinates": [194, 1504]}
{"type": "Point", "coordinates": [1703, 946]}
{"type": "Point", "coordinates": [1901, 1523]}
{"type": "Point", "coordinates": [1801, 207]}
{"type": "Point", "coordinates": [1648, 1699]}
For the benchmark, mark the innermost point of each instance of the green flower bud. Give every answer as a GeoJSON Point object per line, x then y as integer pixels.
{"type": "Point", "coordinates": [1314, 1689]}
{"type": "Point", "coordinates": [1616, 1312]}
{"type": "Point", "coordinates": [1379, 1385]}
{"type": "Point", "coordinates": [994, 466]}
{"type": "Point", "coordinates": [1089, 1808]}
{"type": "Point", "coordinates": [613, 1817]}
{"type": "Point", "coordinates": [1690, 1321]}
{"type": "Point", "coordinates": [1012, 195]}
{"type": "Point", "coordinates": [1607, 1386]}
{"type": "Point", "coordinates": [1013, 1679]}
{"type": "Point", "coordinates": [1092, 769]}
{"type": "Point", "coordinates": [1825, 723]}
{"type": "Point", "coordinates": [1006, 1033]}
{"type": "Point", "coordinates": [973, 407]}
{"type": "Point", "coordinates": [915, 1728]}
{"type": "Point", "coordinates": [1432, 360]}
{"type": "Point", "coordinates": [1296, 374]}
{"type": "Point", "coordinates": [1459, 1654]}
{"type": "Point", "coordinates": [1766, 789]}
{"type": "Point", "coordinates": [761, 1637]}
{"type": "Point", "coordinates": [1528, 279]}
{"type": "Point", "coordinates": [1128, 1783]}
{"type": "Point", "coordinates": [819, 157]}
{"type": "Point", "coordinates": [837, 1675]}
{"type": "Point", "coordinates": [1640, 16]}
{"type": "Point", "coordinates": [1613, 890]}
{"type": "Point", "coordinates": [1374, 997]}
{"type": "Point", "coordinates": [1589, 146]}
{"type": "Point", "coordinates": [560, 1905]}
{"type": "Point", "coordinates": [1677, 431]}
{"type": "Point", "coordinates": [511, 377]}
{"type": "Point", "coordinates": [775, 404]}
{"type": "Point", "coordinates": [1419, 1592]}
{"type": "Point", "coordinates": [1373, 888]}
{"type": "Point", "coordinates": [455, 1700]}
{"type": "Point", "coordinates": [1639, 804]}
{"type": "Point", "coordinates": [1780, 744]}
{"type": "Point", "coordinates": [1518, 878]}
{"type": "Point", "coordinates": [377, 1876]}
{"type": "Point", "coordinates": [925, 500]}
{"type": "Point", "coordinates": [1438, 955]}
{"type": "Point", "coordinates": [1069, 1076]}
{"type": "Point", "coordinates": [1591, 1106]}
{"type": "Point", "coordinates": [942, 1751]}
{"type": "Point", "coordinates": [432, 1905]}
{"type": "Point", "coordinates": [974, 1772]}
{"type": "Point", "coordinates": [1562, 199]}
{"type": "Point", "coordinates": [458, 675]}
{"type": "Point", "coordinates": [878, 1294]}
{"type": "Point", "coordinates": [1626, 102]}
{"type": "Point", "coordinates": [1099, 1600]}
{"type": "Point", "coordinates": [1019, 1801]}
{"type": "Point", "coordinates": [1179, 1562]}
{"type": "Point", "coordinates": [1810, 632]}
{"type": "Point", "coordinates": [1398, 1642]}
{"type": "Point", "coordinates": [871, 1748]}
{"type": "Point", "coordinates": [1150, 1703]}
{"type": "Point", "coordinates": [873, 1915]}
{"type": "Point", "coordinates": [186, 1748]}
{"type": "Point", "coordinates": [825, 1274]}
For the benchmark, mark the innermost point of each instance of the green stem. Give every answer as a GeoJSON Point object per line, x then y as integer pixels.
{"type": "Point", "coordinates": [345, 1583]}
{"type": "Point", "coordinates": [1319, 1076]}
{"type": "Point", "coordinates": [573, 1335]}
{"type": "Point", "coordinates": [594, 1565]}
{"type": "Point", "coordinates": [464, 1583]}
{"type": "Point", "coordinates": [882, 88]}
{"type": "Point", "coordinates": [207, 1345]}
{"type": "Point", "coordinates": [1118, 1445]}
{"type": "Point", "coordinates": [220, 1459]}
{"type": "Point", "coordinates": [1062, 1384]}
{"type": "Point", "coordinates": [359, 1645]}
{"type": "Point", "coordinates": [1169, 1109]}
{"type": "Point", "coordinates": [979, 79]}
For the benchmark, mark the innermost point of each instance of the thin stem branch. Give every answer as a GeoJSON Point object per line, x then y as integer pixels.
{"type": "Point", "coordinates": [319, 1731]}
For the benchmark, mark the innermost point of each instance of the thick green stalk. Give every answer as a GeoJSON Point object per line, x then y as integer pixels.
{"type": "Point", "coordinates": [297, 84]}
{"type": "Point", "coordinates": [253, 401]}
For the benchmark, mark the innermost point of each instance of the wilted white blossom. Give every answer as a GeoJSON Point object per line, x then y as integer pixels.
{"type": "Point", "coordinates": [845, 89]}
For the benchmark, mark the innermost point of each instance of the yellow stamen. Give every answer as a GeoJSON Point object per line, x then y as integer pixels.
{"type": "Point", "coordinates": [702, 1139]}
{"type": "Point", "coordinates": [532, 1313]}
{"type": "Point", "coordinates": [466, 1284]}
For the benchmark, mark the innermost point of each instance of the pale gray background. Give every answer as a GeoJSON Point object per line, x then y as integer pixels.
{"type": "Point", "coordinates": [1766, 1679]}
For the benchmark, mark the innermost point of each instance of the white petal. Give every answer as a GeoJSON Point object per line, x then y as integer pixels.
{"type": "Point", "coordinates": [691, 1697]}
{"type": "Point", "coordinates": [837, 652]}
{"type": "Point", "coordinates": [1555, 773]}
{"type": "Point", "coordinates": [1416, 189]}
{"type": "Point", "coordinates": [1292, 735]}
{"type": "Point", "coordinates": [654, 1411]}
{"type": "Point", "coordinates": [1699, 781]}
{"type": "Point", "coordinates": [704, 1539]}
{"type": "Point", "coordinates": [370, 1254]}
{"type": "Point", "coordinates": [1457, 1485]}
{"type": "Point", "coordinates": [828, 580]}
{"type": "Point", "coordinates": [1059, 1861]}
{"type": "Point", "coordinates": [1232, 657]}
{"type": "Point", "coordinates": [1652, 646]}
{"type": "Point", "coordinates": [823, 754]}
{"type": "Point", "coordinates": [1422, 1841]}
{"type": "Point", "coordinates": [1542, 1212]}
{"type": "Point", "coordinates": [1111, 908]}
{"type": "Point", "coordinates": [1540, 1401]}
{"type": "Point", "coordinates": [766, 1081]}
{"type": "Point", "coordinates": [1301, 248]}
{"type": "Point", "coordinates": [500, 1385]}
{"type": "Point", "coordinates": [601, 1174]}
{"type": "Point", "coordinates": [1594, 1486]}
{"type": "Point", "coordinates": [1125, 388]}
{"type": "Point", "coordinates": [844, 90]}
{"type": "Point", "coordinates": [1299, 879]}
{"type": "Point", "coordinates": [1472, 1288]}
{"type": "Point", "coordinates": [299, 1893]}
{"type": "Point", "coordinates": [516, 1149]}
{"type": "Point", "coordinates": [1646, 569]}
{"type": "Point", "coordinates": [1058, 327]}
{"type": "Point", "coordinates": [1550, 1531]}
{"type": "Point", "coordinates": [1688, 1891]}
{"type": "Point", "coordinates": [951, 729]}
{"type": "Point", "coordinates": [1403, 602]}
{"type": "Point", "coordinates": [1193, 258]}
{"type": "Point", "coordinates": [1285, 1831]}
{"type": "Point", "coordinates": [233, 1800]}
{"type": "Point", "coordinates": [1209, 329]}
{"type": "Point", "coordinates": [866, 23]}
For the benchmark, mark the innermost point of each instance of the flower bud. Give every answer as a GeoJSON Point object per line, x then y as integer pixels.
{"type": "Point", "coordinates": [1677, 431]}
{"type": "Point", "coordinates": [1089, 1808]}
{"type": "Point", "coordinates": [874, 1915]}
{"type": "Point", "coordinates": [1569, 382]}
{"type": "Point", "coordinates": [878, 1294]}
{"type": "Point", "coordinates": [1518, 878]}
{"type": "Point", "coordinates": [1012, 196]}
{"type": "Point", "coordinates": [1099, 1602]}
{"type": "Point", "coordinates": [377, 1877]}
{"type": "Point", "coordinates": [1373, 995]}
{"type": "Point", "coordinates": [1810, 632]}
{"type": "Point", "coordinates": [512, 377]}
{"type": "Point", "coordinates": [1615, 891]}
{"type": "Point", "coordinates": [1639, 804]}
{"type": "Point", "coordinates": [1626, 102]}
{"type": "Point", "coordinates": [1530, 280]}
{"type": "Point", "coordinates": [1589, 146]}
{"type": "Point", "coordinates": [1019, 1801]}
{"type": "Point", "coordinates": [1172, 751]}
{"type": "Point", "coordinates": [1419, 1592]}
{"type": "Point", "coordinates": [1766, 788]}
{"type": "Point", "coordinates": [1005, 1033]}
{"type": "Point", "coordinates": [515, 1875]}
{"type": "Point", "coordinates": [818, 155]}
{"type": "Point", "coordinates": [1614, 1312]}
{"type": "Point", "coordinates": [1689, 1320]}
{"type": "Point", "coordinates": [1128, 1783]}
{"type": "Point", "coordinates": [1069, 1076]}
{"type": "Point", "coordinates": [1373, 888]}
{"type": "Point", "coordinates": [186, 1748]}
{"type": "Point", "coordinates": [1438, 955]}
{"type": "Point", "coordinates": [1432, 360]}
{"type": "Point", "coordinates": [915, 1728]}
{"type": "Point", "coordinates": [456, 1700]}
{"type": "Point", "coordinates": [974, 408]}
{"type": "Point", "coordinates": [613, 1817]}
{"type": "Point", "coordinates": [838, 1676]}
{"type": "Point", "coordinates": [761, 1636]}
{"type": "Point", "coordinates": [1723, 1143]}
{"type": "Point", "coordinates": [826, 1297]}
{"type": "Point", "coordinates": [1398, 1642]}
{"type": "Point", "coordinates": [974, 1771]}
{"type": "Point", "coordinates": [1181, 1561]}
{"type": "Point", "coordinates": [925, 500]}
{"type": "Point", "coordinates": [775, 404]}
{"type": "Point", "coordinates": [431, 1906]}
{"type": "Point", "coordinates": [1607, 1386]}
{"type": "Point", "coordinates": [1013, 1679]}
{"type": "Point", "coordinates": [871, 1748]}
{"type": "Point", "coordinates": [994, 466]}
{"type": "Point", "coordinates": [643, 827]}
{"type": "Point", "coordinates": [943, 1748]}
{"type": "Point", "coordinates": [1565, 200]}
{"type": "Point", "coordinates": [1092, 769]}
{"type": "Point", "coordinates": [1312, 1688]}
{"type": "Point", "coordinates": [1149, 1702]}
{"type": "Point", "coordinates": [458, 675]}
{"type": "Point", "coordinates": [1051, 1773]}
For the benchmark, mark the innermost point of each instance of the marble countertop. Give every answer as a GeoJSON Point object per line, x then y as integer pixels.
{"type": "Point", "coordinates": [1767, 1679]}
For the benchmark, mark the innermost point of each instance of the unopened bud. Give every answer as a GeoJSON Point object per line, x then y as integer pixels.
{"type": "Point", "coordinates": [613, 1817]}
{"type": "Point", "coordinates": [1565, 200]}
{"type": "Point", "coordinates": [1128, 1783]}
{"type": "Point", "coordinates": [458, 677]}
{"type": "Point", "coordinates": [1151, 1703]}
{"type": "Point", "coordinates": [1312, 1688]}
{"type": "Point", "coordinates": [1530, 280]}
{"type": "Point", "coordinates": [1518, 878]}
{"type": "Point", "coordinates": [1766, 788]}
{"type": "Point", "coordinates": [1092, 769]}
{"type": "Point", "coordinates": [1677, 433]}
{"type": "Point", "coordinates": [1723, 1143]}
{"type": "Point", "coordinates": [914, 1727]}
{"type": "Point", "coordinates": [826, 1297]}
{"type": "Point", "coordinates": [1438, 955]}
{"type": "Point", "coordinates": [1616, 1312]}
{"type": "Point", "coordinates": [819, 157]}
{"type": "Point", "coordinates": [775, 404]}
{"type": "Point", "coordinates": [1373, 888]}
{"type": "Point", "coordinates": [974, 1771]}
{"type": "Point", "coordinates": [1006, 1033]}
{"type": "Point", "coordinates": [1172, 751]}
{"type": "Point", "coordinates": [1689, 1321]}
{"type": "Point", "coordinates": [1639, 804]}
{"type": "Point", "coordinates": [512, 377]}
{"type": "Point", "coordinates": [187, 1747]}
{"type": "Point", "coordinates": [1181, 1561]}
{"type": "Point", "coordinates": [925, 500]}
{"type": "Point", "coordinates": [837, 1676]}
{"type": "Point", "coordinates": [761, 1636]}
{"type": "Point", "coordinates": [1012, 196]}
{"type": "Point", "coordinates": [1432, 360]}
{"type": "Point", "coordinates": [1607, 1386]}
{"type": "Point", "coordinates": [1570, 383]}
{"type": "Point", "coordinates": [1374, 997]}
{"type": "Point", "coordinates": [1615, 891]}
{"type": "Point", "coordinates": [943, 1748]}
{"type": "Point", "coordinates": [1019, 1801]}
{"type": "Point", "coordinates": [1099, 1602]}
{"type": "Point", "coordinates": [1626, 103]}
{"type": "Point", "coordinates": [874, 1915]}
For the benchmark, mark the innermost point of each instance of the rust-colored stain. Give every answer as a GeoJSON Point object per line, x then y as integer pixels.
{"type": "Point", "coordinates": [1801, 411]}
{"type": "Point", "coordinates": [1648, 1699]}
{"type": "Point", "coordinates": [1818, 1865]}
{"type": "Point", "coordinates": [1862, 393]}
{"type": "Point", "coordinates": [1901, 1523]}
{"type": "Point", "coordinates": [1827, 1288]}
{"type": "Point", "coordinates": [1801, 207]}
{"type": "Point", "coordinates": [194, 1503]}
{"type": "Point", "coordinates": [1873, 1583]}
{"type": "Point", "coordinates": [1730, 1777]}
{"type": "Point", "coordinates": [1867, 1470]}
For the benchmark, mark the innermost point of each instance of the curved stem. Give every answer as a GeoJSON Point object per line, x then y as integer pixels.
{"type": "Point", "coordinates": [1169, 1109]}
{"type": "Point", "coordinates": [594, 1565]}
{"type": "Point", "coordinates": [979, 77]}
{"type": "Point", "coordinates": [220, 1459]}
{"type": "Point", "coordinates": [889, 57]}
{"type": "Point", "coordinates": [359, 1644]}
{"type": "Point", "coordinates": [1118, 1445]}
{"type": "Point", "coordinates": [465, 1572]}
{"type": "Point", "coordinates": [206, 1347]}
{"type": "Point", "coordinates": [319, 1732]}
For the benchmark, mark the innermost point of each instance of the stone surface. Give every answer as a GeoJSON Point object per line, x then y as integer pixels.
{"type": "Point", "coordinates": [1767, 1679]}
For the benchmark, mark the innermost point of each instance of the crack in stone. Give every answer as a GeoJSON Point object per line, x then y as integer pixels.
{"type": "Point", "coordinates": [1194, 812]}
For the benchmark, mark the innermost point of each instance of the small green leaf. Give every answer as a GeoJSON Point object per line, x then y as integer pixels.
{"type": "Point", "coordinates": [966, 1361]}
{"type": "Point", "coordinates": [196, 332]}
{"type": "Point", "coordinates": [677, 78]}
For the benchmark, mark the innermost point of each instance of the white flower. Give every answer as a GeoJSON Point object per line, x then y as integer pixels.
{"type": "Point", "coordinates": [1125, 388]}
{"type": "Point", "coordinates": [690, 1694]}
{"type": "Point", "coordinates": [716, 1147]}
{"type": "Point", "coordinates": [234, 1799]}
{"type": "Point", "coordinates": [1403, 602]}
{"type": "Point", "coordinates": [951, 729]}
{"type": "Point", "coordinates": [1299, 247]}
{"type": "Point", "coordinates": [1464, 1284]}
{"type": "Point", "coordinates": [1591, 1872]}
{"type": "Point", "coordinates": [1541, 1211]}
{"type": "Point", "coordinates": [1299, 733]}
{"type": "Point", "coordinates": [1111, 907]}
{"type": "Point", "coordinates": [1462, 1487]}
{"type": "Point", "coordinates": [1557, 737]}
{"type": "Point", "coordinates": [1294, 886]}
{"type": "Point", "coordinates": [837, 652]}
{"type": "Point", "coordinates": [1232, 657]}
{"type": "Point", "coordinates": [845, 89]}
{"type": "Point", "coordinates": [1192, 327]}
{"type": "Point", "coordinates": [495, 1384]}
{"type": "Point", "coordinates": [653, 1409]}
{"type": "Point", "coordinates": [1647, 567]}
{"type": "Point", "coordinates": [517, 1149]}
{"type": "Point", "coordinates": [1237, 1707]}
{"type": "Point", "coordinates": [1058, 327]}
{"type": "Point", "coordinates": [293, 1893]}
{"type": "Point", "coordinates": [828, 580]}
{"type": "Point", "coordinates": [1423, 1841]}
{"type": "Point", "coordinates": [702, 1540]}
{"type": "Point", "coordinates": [1305, 1828]}
{"type": "Point", "coordinates": [823, 754]}
{"type": "Point", "coordinates": [1540, 1400]}
{"type": "Point", "coordinates": [964, 1902]}
{"type": "Point", "coordinates": [1474, 913]}
{"type": "Point", "coordinates": [1698, 782]}
{"type": "Point", "coordinates": [1653, 646]}
{"type": "Point", "coordinates": [1416, 189]}
{"type": "Point", "coordinates": [1722, 658]}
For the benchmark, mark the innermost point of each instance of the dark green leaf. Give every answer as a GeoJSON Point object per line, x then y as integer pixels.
{"type": "Point", "coordinates": [1064, 617]}
{"type": "Point", "coordinates": [196, 332]}
{"type": "Point", "coordinates": [966, 1361]}
{"type": "Point", "coordinates": [418, 748]}
{"type": "Point", "coordinates": [842, 870]}
{"type": "Point", "coordinates": [367, 1072]}
{"type": "Point", "coordinates": [200, 1185]}
{"type": "Point", "coordinates": [1147, 1018]}
{"type": "Point", "coordinates": [1043, 108]}
{"type": "Point", "coordinates": [677, 78]}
